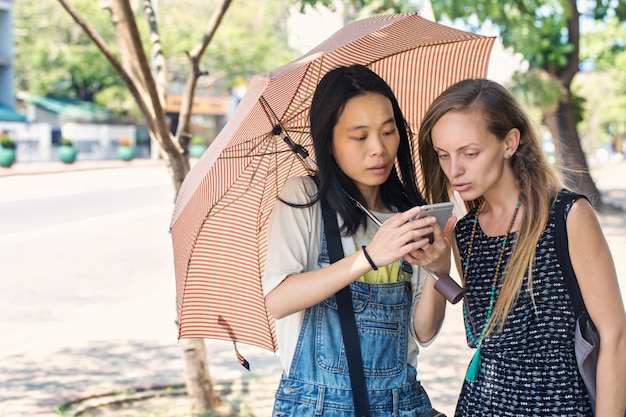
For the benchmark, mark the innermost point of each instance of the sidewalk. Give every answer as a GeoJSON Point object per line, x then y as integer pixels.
{"type": "Point", "coordinates": [32, 168]}
{"type": "Point", "coordinates": [35, 383]}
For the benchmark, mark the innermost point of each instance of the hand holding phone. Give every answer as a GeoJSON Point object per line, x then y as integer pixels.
{"type": "Point", "coordinates": [441, 211]}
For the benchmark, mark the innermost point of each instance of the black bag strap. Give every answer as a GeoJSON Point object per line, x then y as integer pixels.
{"type": "Point", "coordinates": [562, 250]}
{"type": "Point", "coordinates": [351, 339]}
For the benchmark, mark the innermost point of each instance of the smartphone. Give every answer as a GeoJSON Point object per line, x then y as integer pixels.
{"type": "Point", "coordinates": [441, 211]}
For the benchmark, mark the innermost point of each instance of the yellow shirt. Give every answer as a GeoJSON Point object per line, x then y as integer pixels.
{"type": "Point", "coordinates": [384, 274]}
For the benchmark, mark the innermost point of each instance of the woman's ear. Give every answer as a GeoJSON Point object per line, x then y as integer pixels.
{"type": "Point", "coordinates": [511, 142]}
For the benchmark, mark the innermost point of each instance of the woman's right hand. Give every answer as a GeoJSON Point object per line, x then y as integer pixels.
{"type": "Point", "coordinates": [436, 256]}
{"type": "Point", "coordinates": [401, 235]}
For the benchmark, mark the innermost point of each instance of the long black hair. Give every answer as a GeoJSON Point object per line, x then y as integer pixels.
{"type": "Point", "coordinates": [333, 92]}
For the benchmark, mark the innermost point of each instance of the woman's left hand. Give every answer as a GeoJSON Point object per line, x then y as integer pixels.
{"type": "Point", "coordinates": [435, 256]}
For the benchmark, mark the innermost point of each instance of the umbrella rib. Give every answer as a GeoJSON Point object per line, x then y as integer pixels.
{"type": "Point", "coordinates": [299, 150]}
{"type": "Point", "coordinates": [254, 180]}
{"type": "Point", "coordinates": [252, 155]}
{"type": "Point", "coordinates": [309, 96]}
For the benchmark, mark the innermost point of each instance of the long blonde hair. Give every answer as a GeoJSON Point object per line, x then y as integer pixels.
{"type": "Point", "coordinates": [538, 181]}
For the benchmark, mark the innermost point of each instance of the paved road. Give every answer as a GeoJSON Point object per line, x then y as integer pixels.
{"type": "Point", "coordinates": [87, 303]}
{"type": "Point", "coordinates": [87, 289]}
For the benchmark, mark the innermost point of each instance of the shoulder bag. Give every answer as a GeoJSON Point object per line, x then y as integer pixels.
{"type": "Point", "coordinates": [586, 337]}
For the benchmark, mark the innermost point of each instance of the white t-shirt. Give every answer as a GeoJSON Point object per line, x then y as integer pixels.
{"type": "Point", "coordinates": [294, 237]}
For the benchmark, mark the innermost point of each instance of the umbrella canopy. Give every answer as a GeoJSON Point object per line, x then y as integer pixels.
{"type": "Point", "coordinates": [222, 210]}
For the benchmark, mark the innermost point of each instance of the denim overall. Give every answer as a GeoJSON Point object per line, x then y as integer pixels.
{"type": "Point", "coordinates": [318, 383]}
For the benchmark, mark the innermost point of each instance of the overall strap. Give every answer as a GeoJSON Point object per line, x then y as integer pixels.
{"type": "Point", "coordinates": [349, 331]}
{"type": "Point", "coordinates": [562, 251]}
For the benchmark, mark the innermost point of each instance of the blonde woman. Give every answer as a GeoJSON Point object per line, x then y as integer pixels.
{"type": "Point", "coordinates": [477, 140]}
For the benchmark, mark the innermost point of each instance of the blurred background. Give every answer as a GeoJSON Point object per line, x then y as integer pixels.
{"type": "Point", "coordinates": [104, 108]}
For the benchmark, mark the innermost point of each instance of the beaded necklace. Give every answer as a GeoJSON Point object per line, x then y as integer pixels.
{"type": "Point", "coordinates": [474, 366]}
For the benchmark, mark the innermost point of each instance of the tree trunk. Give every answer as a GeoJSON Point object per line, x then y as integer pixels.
{"type": "Point", "coordinates": [133, 67]}
{"type": "Point", "coordinates": [562, 121]}
{"type": "Point", "coordinates": [570, 154]}
{"type": "Point", "coordinates": [198, 380]}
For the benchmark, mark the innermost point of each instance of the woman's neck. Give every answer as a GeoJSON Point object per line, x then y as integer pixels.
{"type": "Point", "coordinates": [373, 199]}
{"type": "Point", "coordinates": [495, 217]}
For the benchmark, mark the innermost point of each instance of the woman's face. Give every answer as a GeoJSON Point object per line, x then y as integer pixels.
{"type": "Point", "coordinates": [472, 158]}
{"type": "Point", "coordinates": [366, 140]}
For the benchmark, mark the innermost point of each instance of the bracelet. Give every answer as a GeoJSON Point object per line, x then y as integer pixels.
{"type": "Point", "coordinates": [367, 256]}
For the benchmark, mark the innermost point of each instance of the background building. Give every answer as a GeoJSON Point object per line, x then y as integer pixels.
{"type": "Point", "coordinates": [7, 96]}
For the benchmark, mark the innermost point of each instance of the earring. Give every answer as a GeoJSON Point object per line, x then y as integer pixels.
{"type": "Point", "coordinates": [508, 156]}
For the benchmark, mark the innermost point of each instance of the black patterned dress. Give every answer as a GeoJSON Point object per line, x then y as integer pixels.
{"type": "Point", "coordinates": [528, 368]}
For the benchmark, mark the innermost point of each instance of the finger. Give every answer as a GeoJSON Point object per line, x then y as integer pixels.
{"type": "Point", "coordinates": [449, 229]}
{"type": "Point", "coordinates": [421, 256]}
{"type": "Point", "coordinates": [412, 259]}
{"type": "Point", "coordinates": [408, 215]}
{"type": "Point", "coordinates": [441, 241]}
{"type": "Point", "coordinates": [408, 227]}
{"type": "Point", "coordinates": [417, 234]}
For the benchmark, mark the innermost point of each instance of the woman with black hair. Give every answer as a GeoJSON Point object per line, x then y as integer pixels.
{"type": "Point", "coordinates": [361, 141]}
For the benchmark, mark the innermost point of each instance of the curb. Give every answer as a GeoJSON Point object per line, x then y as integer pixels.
{"type": "Point", "coordinates": [35, 168]}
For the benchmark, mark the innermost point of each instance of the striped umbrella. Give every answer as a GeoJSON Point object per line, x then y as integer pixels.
{"type": "Point", "coordinates": [222, 210]}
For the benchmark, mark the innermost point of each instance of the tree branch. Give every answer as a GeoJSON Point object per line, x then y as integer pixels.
{"type": "Point", "coordinates": [110, 56]}
{"type": "Point", "coordinates": [211, 28]}
{"type": "Point", "coordinates": [158, 58]}
{"type": "Point", "coordinates": [136, 62]}
{"type": "Point", "coordinates": [573, 29]}
{"type": "Point", "coordinates": [184, 119]}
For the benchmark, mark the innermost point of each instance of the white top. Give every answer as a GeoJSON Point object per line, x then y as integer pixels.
{"type": "Point", "coordinates": [294, 237]}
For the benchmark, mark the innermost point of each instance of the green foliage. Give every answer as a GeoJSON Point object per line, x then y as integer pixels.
{"type": "Point", "coordinates": [66, 142]}
{"type": "Point", "coordinates": [539, 31]}
{"type": "Point", "coordinates": [59, 59]}
{"type": "Point", "coordinates": [537, 89]}
{"type": "Point", "coordinates": [536, 29]}
{"type": "Point", "coordinates": [117, 99]}
{"type": "Point", "coordinates": [363, 8]}
{"type": "Point", "coordinates": [312, 3]}
{"type": "Point", "coordinates": [604, 48]}
{"type": "Point", "coordinates": [251, 39]}
{"type": "Point", "coordinates": [604, 45]}
{"type": "Point", "coordinates": [375, 7]}
{"type": "Point", "coordinates": [602, 9]}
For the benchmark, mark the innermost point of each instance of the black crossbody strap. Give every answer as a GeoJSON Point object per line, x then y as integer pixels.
{"type": "Point", "coordinates": [562, 251]}
{"type": "Point", "coordinates": [351, 338]}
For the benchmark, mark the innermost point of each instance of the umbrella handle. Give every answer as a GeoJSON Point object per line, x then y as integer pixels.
{"type": "Point", "coordinates": [449, 288]}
